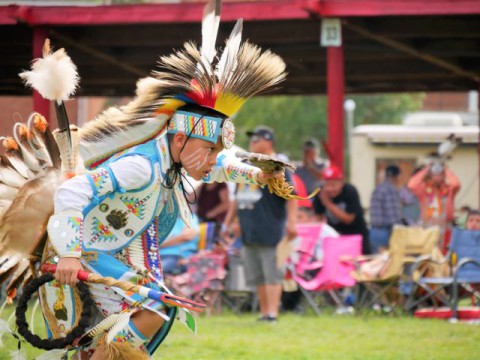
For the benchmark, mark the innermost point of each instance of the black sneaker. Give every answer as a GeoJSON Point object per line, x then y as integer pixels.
{"type": "Point", "coordinates": [272, 319]}
{"type": "Point", "coordinates": [264, 318]}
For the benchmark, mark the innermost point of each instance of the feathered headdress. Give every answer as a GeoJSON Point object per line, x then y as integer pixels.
{"type": "Point", "coordinates": [191, 76]}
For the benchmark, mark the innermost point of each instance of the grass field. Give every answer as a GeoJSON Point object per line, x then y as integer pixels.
{"type": "Point", "coordinates": [305, 337]}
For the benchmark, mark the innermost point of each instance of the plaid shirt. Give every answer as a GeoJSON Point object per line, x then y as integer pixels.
{"type": "Point", "coordinates": [385, 206]}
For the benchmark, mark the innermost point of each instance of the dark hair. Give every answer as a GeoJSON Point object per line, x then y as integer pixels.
{"type": "Point", "coordinates": [306, 210]}
{"type": "Point", "coordinates": [392, 171]}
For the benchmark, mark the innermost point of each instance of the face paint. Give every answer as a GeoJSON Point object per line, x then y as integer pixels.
{"type": "Point", "coordinates": [197, 159]}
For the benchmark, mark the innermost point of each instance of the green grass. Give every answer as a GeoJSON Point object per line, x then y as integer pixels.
{"type": "Point", "coordinates": [304, 337]}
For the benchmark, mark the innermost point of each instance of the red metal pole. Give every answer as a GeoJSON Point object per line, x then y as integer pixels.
{"type": "Point", "coordinates": [335, 91]}
{"type": "Point", "coordinates": [478, 144]}
{"type": "Point", "coordinates": [40, 104]}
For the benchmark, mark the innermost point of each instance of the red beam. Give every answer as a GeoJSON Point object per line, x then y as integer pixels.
{"type": "Point", "coordinates": [6, 15]}
{"type": "Point", "coordinates": [149, 13]}
{"type": "Point", "coordinates": [347, 8]}
{"type": "Point", "coordinates": [249, 11]}
{"type": "Point", "coordinates": [335, 91]}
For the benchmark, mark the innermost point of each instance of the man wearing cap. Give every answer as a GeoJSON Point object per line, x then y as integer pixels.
{"type": "Point", "coordinates": [385, 210]}
{"type": "Point", "coordinates": [265, 219]}
{"type": "Point", "coordinates": [339, 204]}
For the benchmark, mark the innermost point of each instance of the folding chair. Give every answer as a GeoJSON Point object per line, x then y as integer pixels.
{"type": "Point", "coordinates": [382, 285]}
{"type": "Point", "coordinates": [203, 280]}
{"type": "Point", "coordinates": [205, 271]}
{"type": "Point", "coordinates": [237, 295]}
{"type": "Point", "coordinates": [330, 274]}
{"type": "Point", "coordinates": [461, 276]}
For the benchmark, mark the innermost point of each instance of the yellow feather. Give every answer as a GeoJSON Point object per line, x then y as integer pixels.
{"type": "Point", "coordinates": [228, 103]}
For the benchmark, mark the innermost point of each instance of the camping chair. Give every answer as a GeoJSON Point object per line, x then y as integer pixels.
{"type": "Point", "coordinates": [379, 276]}
{"type": "Point", "coordinates": [205, 271]}
{"type": "Point", "coordinates": [461, 278]}
{"type": "Point", "coordinates": [203, 280]}
{"type": "Point", "coordinates": [330, 274]}
{"type": "Point", "coordinates": [237, 295]}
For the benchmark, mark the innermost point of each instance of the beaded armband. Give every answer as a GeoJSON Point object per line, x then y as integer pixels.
{"type": "Point", "coordinates": [65, 231]}
{"type": "Point", "coordinates": [242, 173]}
{"type": "Point", "coordinates": [230, 168]}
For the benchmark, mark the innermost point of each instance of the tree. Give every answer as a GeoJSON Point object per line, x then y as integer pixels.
{"type": "Point", "coordinates": [297, 118]}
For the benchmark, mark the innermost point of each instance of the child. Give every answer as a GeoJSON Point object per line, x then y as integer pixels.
{"type": "Point", "coordinates": [473, 220]}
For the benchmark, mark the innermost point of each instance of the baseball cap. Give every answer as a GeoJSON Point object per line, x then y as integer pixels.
{"type": "Point", "coordinates": [332, 173]}
{"type": "Point", "coordinates": [311, 144]}
{"type": "Point", "coordinates": [263, 132]}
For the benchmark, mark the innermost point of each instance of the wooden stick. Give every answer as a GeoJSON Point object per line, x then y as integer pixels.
{"type": "Point", "coordinates": [138, 289]}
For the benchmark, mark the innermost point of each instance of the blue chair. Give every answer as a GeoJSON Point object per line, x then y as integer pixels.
{"type": "Point", "coordinates": [465, 254]}
{"type": "Point", "coordinates": [462, 277]}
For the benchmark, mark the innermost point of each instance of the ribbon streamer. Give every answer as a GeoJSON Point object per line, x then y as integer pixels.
{"type": "Point", "coordinates": [139, 289]}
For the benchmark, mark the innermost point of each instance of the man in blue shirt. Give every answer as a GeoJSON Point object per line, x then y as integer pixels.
{"type": "Point", "coordinates": [265, 219]}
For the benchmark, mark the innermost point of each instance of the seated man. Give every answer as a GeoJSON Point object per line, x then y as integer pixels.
{"type": "Point", "coordinates": [181, 243]}
{"type": "Point", "coordinates": [339, 205]}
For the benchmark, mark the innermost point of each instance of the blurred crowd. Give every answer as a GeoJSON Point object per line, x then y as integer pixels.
{"type": "Point", "coordinates": [251, 223]}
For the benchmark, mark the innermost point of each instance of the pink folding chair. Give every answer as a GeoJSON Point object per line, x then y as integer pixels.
{"type": "Point", "coordinates": [304, 258]}
{"type": "Point", "coordinates": [335, 270]}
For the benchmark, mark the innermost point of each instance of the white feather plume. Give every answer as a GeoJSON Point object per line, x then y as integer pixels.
{"type": "Point", "coordinates": [210, 24]}
{"type": "Point", "coordinates": [120, 324]}
{"type": "Point", "coordinates": [54, 76]}
{"type": "Point", "coordinates": [229, 56]}
{"type": "Point", "coordinates": [446, 148]}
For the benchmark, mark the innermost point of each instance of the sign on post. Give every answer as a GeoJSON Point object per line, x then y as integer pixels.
{"type": "Point", "coordinates": [331, 32]}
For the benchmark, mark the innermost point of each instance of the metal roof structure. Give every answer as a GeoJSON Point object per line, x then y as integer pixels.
{"type": "Point", "coordinates": [389, 45]}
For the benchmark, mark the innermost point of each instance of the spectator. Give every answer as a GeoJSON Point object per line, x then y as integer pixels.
{"type": "Point", "coordinates": [305, 215]}
{"type": "Point", "coordinates": [385, 210]}
{"type": "Point", "coordinates": [181, 243]}
{"type": "Point", "coordinates": [473, 220]}
{"type": "Point", "coordinates": [339, 204]}
{"type": "Point", "coordinates": [461, 220]}
{"type": "Point", "coordinates": [312, 166]}
{"type": "Point", "coordinates": [265, 218]}
{"type": "Point", "coordinates": [213, 202]}
{"type": "Point", "coordinates": [435, 187]}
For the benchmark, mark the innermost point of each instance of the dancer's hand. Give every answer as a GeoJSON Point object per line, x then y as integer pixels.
{"type": "Point", "coordinates": [67, 270]}
{"type": "Point", "coordinates": [262, 177]}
